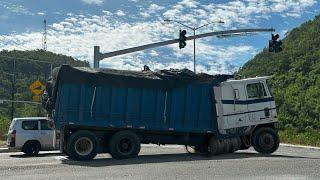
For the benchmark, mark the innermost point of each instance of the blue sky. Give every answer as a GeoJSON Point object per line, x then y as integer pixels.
{"type": "Point", "coordinates": [75, 26]}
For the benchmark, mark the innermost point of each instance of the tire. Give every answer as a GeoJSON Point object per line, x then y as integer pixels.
{"type": "Point", "coordinates": [265, 140]}
{"type": "Point", "coordinates": [215, 146]}
{"type": "Point", "coordinates": [124, 144]}
{"type": "Point", "coordinates": [31, 148]}
{"type": "Point", "coordinates": [82, 146]}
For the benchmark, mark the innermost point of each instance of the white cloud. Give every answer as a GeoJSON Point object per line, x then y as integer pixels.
{"type": "Point", "coordinates": [189, 3]}
{"type": "Point", "coordinates": [98, 2]}
{"type": "Point", "coordinates": [151, 10]}
{"type": "Point", "coordinates": [154, 8]}
{"type": "Point", "coordinates": [120, 13]}
{"type": "Point", "coordinates": [107, 12]}
{"type": "Point", "coordinates": [41, 13]}
{"type": "Point", "coordinates": [77, 34]}
{"type": "Point", "coordinates": [16, 8]}
{"type": "Point", "coordinates": [154, 53]}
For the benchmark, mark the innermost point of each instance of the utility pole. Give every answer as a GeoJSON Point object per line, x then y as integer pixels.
{"type": "Point", "coordinates": [194, 34]}
{"type": "Point", "coordinates": [13, 87]}
{"type": "Point", "coordinates": [44, 37]}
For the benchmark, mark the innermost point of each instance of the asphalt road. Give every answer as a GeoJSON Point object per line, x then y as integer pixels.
{"type": "Point", "coordinates": [166, 163]}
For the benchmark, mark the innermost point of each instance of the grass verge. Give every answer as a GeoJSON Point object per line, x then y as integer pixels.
{"type": "Point", "coordinates": [2, 144]}
{"type": "Point", "coordinates": [308, 138]}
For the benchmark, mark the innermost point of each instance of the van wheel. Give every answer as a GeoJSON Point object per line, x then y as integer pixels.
{"type": "Point", "coordinates": [31, 148]}
{"type": "Point", "coordinates": [82, 145]}
{"type": "Point", "coordinates": [265, 140]}
{"type": "Point", "coordinates": [124, 144]}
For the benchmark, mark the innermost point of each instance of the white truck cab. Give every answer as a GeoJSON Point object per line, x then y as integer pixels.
{"type": "Point", "coordinates": [30, 135]}
{"type": "Point", "coordinates": [244, 103]}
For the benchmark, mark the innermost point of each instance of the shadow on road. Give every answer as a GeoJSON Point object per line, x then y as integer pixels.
{"type": "Point", "coordinates": [34, 156]}
{"type": "Point", "coordinates": [164, 158]}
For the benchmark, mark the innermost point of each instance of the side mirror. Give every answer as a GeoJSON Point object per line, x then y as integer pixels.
{"type": "Point", "coordinates": [236, 94]}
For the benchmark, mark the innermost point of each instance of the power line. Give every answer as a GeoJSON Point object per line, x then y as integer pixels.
{"type": "Point", "coordinates": [29, 102]}
{"type": "Point", "coordinates": [26, 59]}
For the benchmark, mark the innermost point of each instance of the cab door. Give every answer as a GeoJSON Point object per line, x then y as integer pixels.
{"type": "Point", "coordinates": [259, 102]}
{"type": "Point", "coordinates": [234, 106]}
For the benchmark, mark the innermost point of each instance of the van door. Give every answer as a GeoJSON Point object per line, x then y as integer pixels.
{"type": "Point", "coordinates": [234, 106]}
{"type": "Point", "coordinates": [29, 131]}
{"type": "Point", "coordinates": [258, 102]}
{"type": "Point", "coordinates": [46, 135]}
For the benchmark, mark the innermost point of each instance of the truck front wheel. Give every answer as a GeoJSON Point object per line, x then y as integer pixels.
{"type": "Point", "coordinates": [265, 140]}
{"type": "Point", "coordinates": [124, 144]}
{"type": "Point", "coordinates": [82, 145]}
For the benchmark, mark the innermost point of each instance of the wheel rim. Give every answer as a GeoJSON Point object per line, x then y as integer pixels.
{"type": "Point", "coordinates": [125, 146]}
{"type": "Point", "coordinates": [267, 141]}
{"type": "Point", "coordinates": [33, 149]}
{"type": "Point", "coordinates": [83, 146]}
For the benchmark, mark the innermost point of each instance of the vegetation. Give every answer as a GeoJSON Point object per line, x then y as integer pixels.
{"type": "Point", "coordinates": [29, 66]}
{"type": "Point", "coordinates": [295, 82]}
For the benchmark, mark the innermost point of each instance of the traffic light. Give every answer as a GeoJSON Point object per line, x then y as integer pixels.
{"type": "Point", "coordinates": [278, 47]}
{"type": "Point", "coordinates": [274, 44]}
{"type": "Point", "coordinates": [182, 39]}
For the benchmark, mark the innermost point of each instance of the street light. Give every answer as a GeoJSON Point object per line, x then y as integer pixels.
{"type": "Point", "coordinates": [194, 33]}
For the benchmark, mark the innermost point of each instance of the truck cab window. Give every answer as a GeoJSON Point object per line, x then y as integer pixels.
{"type": "Point", "coordinates": [256, 90]}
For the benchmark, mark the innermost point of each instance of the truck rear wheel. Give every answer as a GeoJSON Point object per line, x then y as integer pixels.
{"type": "Point", "coordinates": [124, 144]}
{"type": "Point", "coordinates": [214, 146]}
{"type": "Point", "coordinates": [82, 146]}
{"type": "Point", "coordinates": [265, 140]}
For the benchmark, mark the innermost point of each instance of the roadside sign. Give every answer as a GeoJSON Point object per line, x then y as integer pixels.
{"type": "Point", "coordinates": [37, 88]}
{"type": "Point", "coordinates": [36, 98]}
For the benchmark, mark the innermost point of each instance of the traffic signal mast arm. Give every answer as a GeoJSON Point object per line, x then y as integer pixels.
{"type": "Point", "coordinates": [99, 56]}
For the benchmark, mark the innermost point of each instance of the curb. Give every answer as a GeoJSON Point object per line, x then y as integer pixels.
{"type": "Point", "coordinates": [300, 146]}
{"type": "Point", "coordinates": [5, 150]}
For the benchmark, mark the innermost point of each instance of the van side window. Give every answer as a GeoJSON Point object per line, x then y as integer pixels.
{"type": "Point", "coordinates": [44, 125]}
{"type": "Point", "coordinates": [30, 125]}
{"type": "Point", "coordinates": [256, 90]}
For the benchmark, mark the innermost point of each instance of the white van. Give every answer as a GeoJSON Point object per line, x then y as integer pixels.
{"type": "Point", "coordinates": [30, 135]}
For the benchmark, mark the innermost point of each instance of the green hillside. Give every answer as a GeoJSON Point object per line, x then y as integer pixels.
{"type": "Point", "coordinates": [296, 79]}
{"type": "Point", "coordinates": [29, 66]}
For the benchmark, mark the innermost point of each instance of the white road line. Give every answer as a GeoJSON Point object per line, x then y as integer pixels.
{"type": "Point", "coordinates": [299, 146]}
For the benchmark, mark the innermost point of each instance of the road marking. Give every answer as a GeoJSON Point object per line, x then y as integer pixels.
{"type": "Point", "coordinates": [60, 158]}
{"type": "Point", "coordinates": [300, 146]}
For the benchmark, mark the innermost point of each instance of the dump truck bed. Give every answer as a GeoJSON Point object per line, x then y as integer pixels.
{"type": "Point", "coordinates": [158, 101]}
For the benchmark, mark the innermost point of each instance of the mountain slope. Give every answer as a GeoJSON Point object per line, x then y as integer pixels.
{"type": "Point", "coordinates": [296, 76]}
{"type": "Point", "coordinates": [29, 66]}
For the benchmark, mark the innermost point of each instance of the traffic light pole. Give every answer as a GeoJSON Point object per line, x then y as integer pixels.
{"type": "Point", "coordinates": [194, 50]}
{"type": "Point", "coordinates": [98, 56]}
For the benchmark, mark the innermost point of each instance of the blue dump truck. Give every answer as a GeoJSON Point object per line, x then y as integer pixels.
{"type": "Point", "coordinates": [115, 111]}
